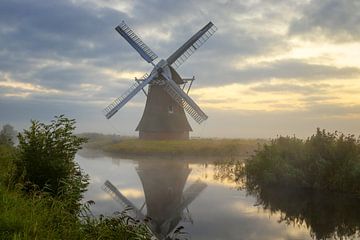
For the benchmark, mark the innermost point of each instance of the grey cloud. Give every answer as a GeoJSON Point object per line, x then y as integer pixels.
{"type": "Point", "coordinates": [286, 69]}
{"type": "Point", "coordinates": [67, 78]}
{"type": "Point", "coordinates": [338, 20]}
{"type": "Point", "coordinates": [63, 31]}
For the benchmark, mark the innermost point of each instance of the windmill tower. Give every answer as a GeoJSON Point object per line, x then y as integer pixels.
{"type": "Point", "coordinates": [164, 116]}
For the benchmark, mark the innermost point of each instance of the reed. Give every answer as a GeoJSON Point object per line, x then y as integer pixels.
{"type": "Point", "coordinates": [324, 161]}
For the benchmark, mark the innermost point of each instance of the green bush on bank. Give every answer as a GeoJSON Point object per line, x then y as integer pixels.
{"type": "Point", "coordinates": [327, 161]}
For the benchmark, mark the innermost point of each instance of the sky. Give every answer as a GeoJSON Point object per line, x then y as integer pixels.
{"type": "Point", "coordinates": [272, 68]}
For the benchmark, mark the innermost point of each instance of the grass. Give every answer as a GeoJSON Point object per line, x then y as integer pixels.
{"type": "Point", "coordinates": [325, 161]}
{"type": "Point", "coordinates": [194, 147]}
{"type": "Point", "coordinates": [36, 217]}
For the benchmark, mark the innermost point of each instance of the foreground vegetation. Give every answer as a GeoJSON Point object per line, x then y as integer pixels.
{"type": "Point", "coordinates": [324, 161]}
{"type": "Point", "coordinates": [190, 148]}
{"type": "Point", "coordinates": [41, 187]}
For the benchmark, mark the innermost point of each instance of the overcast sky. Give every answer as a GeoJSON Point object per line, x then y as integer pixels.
{"type": "Point", "coordinates": [273, 67]}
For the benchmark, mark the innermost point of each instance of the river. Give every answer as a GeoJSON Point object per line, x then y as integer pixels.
{"type": "Point", "coordinates": [200, 196]}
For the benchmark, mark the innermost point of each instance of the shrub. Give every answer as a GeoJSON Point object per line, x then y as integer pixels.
{"type": "Point", "coordinates": [46, 158]}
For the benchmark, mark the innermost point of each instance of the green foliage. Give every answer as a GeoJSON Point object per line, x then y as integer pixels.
{"type": "Point", "coordinates": [121, 226]}
{"type": "Point", "coordinates": [7, 135]}
{"type": "Point", "coordinates": [328, 161]}
{"type": "Point", "coordinates": [46, 157]}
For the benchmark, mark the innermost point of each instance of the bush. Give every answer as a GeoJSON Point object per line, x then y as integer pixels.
{"type": "Point", "coordinates": [46, 158]}
{"type": "Point", "coordinates": [328, 161]}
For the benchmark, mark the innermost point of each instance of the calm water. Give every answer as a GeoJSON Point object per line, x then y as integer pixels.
{"type": "Point", "coordinates": [203, 198]}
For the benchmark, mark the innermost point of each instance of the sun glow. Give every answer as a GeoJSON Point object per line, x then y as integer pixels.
{"type": "Point", "coordinates": [27, 88]}
{"type": "Point", "coordinates": [279, 95]}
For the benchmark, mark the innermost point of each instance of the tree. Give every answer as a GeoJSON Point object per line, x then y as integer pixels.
{"type": "Point", "coordinates": [7, 135]}
{"type": "Point", "coordinates": [46, 158]}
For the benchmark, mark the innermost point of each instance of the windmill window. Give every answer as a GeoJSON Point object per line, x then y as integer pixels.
{"type": "Point", "coordinates": [171, 109]}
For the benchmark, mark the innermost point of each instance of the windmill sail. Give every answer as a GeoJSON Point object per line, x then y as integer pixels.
{"type": "Point", "coordinates": [186, 50]}
{"type": "Point", "coordinates": [144, 51]}
{"type": "Point", "coordinates": [189, 195]}
{"type": "Point", "coordinates": [118, 103]}
{"type": "Point", "coordinates": [119, 197]}
{"type": "Point", "coordinates": [185, 101]}
{"type": "Point", "coordinates": [192, 192]}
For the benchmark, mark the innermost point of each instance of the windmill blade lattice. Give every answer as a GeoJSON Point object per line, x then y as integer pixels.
{"type": "Point", "coordinates": [144, 51]}
{"type": "Point", "coordinates": [113, 107]}
{"type": "Point", "coordinates": [120, 198]}
{"type": "Point", "coordinates": [185, 101]}
{"type": "Point", "coordinates": [186, 50]}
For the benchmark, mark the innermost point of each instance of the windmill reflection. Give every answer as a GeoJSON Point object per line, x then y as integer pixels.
{"type": "Point", "coordinates": [165, 198]}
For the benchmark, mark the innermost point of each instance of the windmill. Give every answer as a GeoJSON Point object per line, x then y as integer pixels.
{"type": "Point", "coordinates": [164, 116]}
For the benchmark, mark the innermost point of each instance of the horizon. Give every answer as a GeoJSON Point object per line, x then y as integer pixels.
{"type": "Point", "coordinates": [273, 68]}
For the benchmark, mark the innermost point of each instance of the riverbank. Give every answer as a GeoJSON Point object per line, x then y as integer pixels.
{"type": "Point", "coordinates": [323, 162]}
{"type": "Point", "coordinates": [41, 190]}
{"type": "Point", "coordinates": [206, 148]}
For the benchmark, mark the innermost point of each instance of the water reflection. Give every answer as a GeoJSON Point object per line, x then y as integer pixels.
{"type": "Point", "coordinates": [326, 215]}
{"type": "Point", "coordinates": [166, 201]}
{"type": "Point", "coordinates": [224, 210]}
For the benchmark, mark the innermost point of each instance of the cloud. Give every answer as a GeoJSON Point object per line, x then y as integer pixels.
{"type": "Point", "coordinates": [278, 69]}
{"type": "Point", "coordinates": [336, 20]}
{"type": "Point", "coordinates": [66, 57]}
{"type": "Point", "coordinates": [293, 88]}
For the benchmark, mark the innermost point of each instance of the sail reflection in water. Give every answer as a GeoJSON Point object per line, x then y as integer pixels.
{"type": "Point", "coordinates": [166, 200]}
